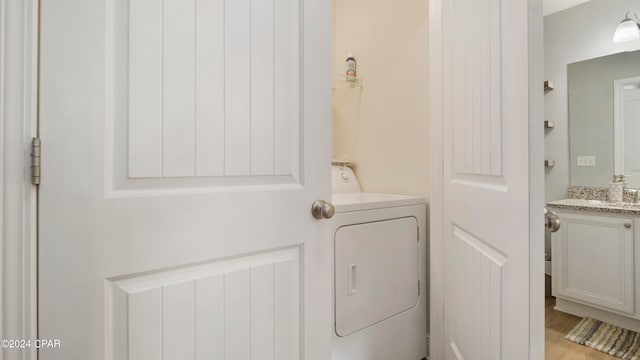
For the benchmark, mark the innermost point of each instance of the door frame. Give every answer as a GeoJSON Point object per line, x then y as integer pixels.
{"type": "Point", "coordinates": [18, 213]}
{"type": "Point", "coordinates": [536, 176]}
{"type": "Point", "coordinates": [18, 219]}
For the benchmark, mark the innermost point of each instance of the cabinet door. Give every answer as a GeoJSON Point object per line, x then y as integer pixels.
{"type": "Point", "coordinates": [593, 261]}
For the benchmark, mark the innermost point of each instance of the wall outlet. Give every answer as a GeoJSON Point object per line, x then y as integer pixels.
{"type": "Point", "coordinates": [589, 160]}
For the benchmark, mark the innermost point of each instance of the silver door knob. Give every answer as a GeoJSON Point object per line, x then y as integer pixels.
{"type": "Point", "coordinates": [551, 221]}
{"type": "Point", "coordinates": [322, 209]}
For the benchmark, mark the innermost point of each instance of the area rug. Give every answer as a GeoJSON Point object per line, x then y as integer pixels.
{"type": "Point", "coordinates": [609, 339]}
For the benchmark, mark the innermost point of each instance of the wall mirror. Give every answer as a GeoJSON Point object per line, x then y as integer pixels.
{"type": "Point", "coordinates": [604, 119]}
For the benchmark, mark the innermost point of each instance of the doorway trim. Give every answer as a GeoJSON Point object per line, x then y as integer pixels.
{"type": "Point", "coordinates": [537, 195]}
{"type": "Point", "coordinates": [618, 121]}
{"type": "Point", "coordinates": [18, 213]}
{"type": "Point", "coordinates": [436, 206]}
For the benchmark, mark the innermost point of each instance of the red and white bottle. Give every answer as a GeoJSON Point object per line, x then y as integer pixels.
{"type": "Point", "coordinates": [351, 73]}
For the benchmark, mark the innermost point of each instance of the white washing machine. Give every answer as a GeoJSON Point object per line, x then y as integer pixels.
{"type": "Point", "coordinates": [380, 285]}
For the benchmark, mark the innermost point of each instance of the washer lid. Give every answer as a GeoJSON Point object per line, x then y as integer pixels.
{"type": "Point", "coordinates": [367, 201]}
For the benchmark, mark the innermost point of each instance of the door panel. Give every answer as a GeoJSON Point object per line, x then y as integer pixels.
{"type": "Point", "coordinates": [216, 308]}
{"type": "Point", "coordinates": [181, 167]}
{"type": "Point", "coordinates": [204, 89]}
{"type": "Point", "coordinates": [476, 85]}
{"type": "Point", "coordinates": [476, 297]}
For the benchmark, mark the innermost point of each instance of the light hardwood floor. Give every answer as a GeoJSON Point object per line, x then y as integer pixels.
{"type": "Point", "coordinates": [557, 325]}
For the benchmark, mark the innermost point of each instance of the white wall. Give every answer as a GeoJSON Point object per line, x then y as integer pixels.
{"type": "Point", "coordinates": [387, 119]}
{"type": "Point", "coordinates": [579, 33]}
{"type": "Point", "coordinates": [553, 6]}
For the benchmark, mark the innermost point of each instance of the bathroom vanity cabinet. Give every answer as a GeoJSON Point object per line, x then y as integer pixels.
{"type": "Point", "coordinates": [594, 272]}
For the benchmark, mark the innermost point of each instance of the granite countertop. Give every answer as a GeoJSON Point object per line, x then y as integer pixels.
{"type": "Point", "coordinates": [597, 205]}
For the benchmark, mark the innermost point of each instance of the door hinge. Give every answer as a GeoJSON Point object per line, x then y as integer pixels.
{"type": "Point", "coordinates": [418, 287]}
{"type": "Point", "coordinates": [35, 161]}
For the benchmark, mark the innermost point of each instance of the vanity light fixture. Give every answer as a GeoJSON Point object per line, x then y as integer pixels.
{"type": "Point", "coordinates": [629, 28]}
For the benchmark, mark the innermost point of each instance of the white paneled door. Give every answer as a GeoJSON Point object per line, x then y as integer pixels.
{"type": "Point", "coordinates": [184, 142]}
{"type": "Point", "coordinates": [488, 214]}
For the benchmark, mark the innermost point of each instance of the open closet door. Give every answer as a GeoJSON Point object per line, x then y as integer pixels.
{"type": "Point", "coordinates": [183, 144]}
{"type": "Point", "coordinates": [487, 186]}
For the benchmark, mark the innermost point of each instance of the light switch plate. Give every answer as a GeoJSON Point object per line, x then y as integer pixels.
{"type": "Point", "coordinates": [587, 160]}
